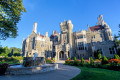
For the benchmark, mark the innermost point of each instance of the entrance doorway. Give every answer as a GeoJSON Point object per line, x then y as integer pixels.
{"type": "Point", "coordinates": [61, 55]}
{"type": "Point", "coordinates": [68, 54]}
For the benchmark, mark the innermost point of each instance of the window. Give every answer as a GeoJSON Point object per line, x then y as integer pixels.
{"type": "Point", "coordinates": [81, 36]}
{"type": "Point", "coordinates": [109, 34]}
{"type": "Point", "coordinates": [84, 36]}
{"type": "Point", "coordinates": [111, 50]}
{"type": "Point", "coordinates": [81, 48]}
{"type": "Point", "coordinates": [80, 44]}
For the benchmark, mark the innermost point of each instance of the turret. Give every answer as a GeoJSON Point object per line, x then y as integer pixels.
{"type": "Point", "coordinates": [108, 32]}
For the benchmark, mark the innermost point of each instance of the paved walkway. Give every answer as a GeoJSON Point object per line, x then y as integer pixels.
{"type": "Point", "coordinates": [63, 73]}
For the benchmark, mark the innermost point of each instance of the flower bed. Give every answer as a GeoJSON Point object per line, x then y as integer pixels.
{"type": "Point", "coordinates": [112, 64]}
{"type": "Point", "coordinates": [11, 60]}
{"type": "Point", "coordinates": [49, 61]}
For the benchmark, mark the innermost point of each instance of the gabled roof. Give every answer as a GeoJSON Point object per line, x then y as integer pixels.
{"type": "Point", "coordinates": [96, 28]}
{"type": "Point", "coordinates": [41, 36]}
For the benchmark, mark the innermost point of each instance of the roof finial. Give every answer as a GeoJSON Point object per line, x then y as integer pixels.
{"type": "Point", "coordinates": [64, 20]}
{"type": "Point", "coordinates": [87, 25]}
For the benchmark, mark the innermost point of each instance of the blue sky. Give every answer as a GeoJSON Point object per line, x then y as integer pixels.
{"type": "Point", "coordinates": [49, 13]}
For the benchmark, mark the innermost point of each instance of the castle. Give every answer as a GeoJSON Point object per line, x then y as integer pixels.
{"type": "Point", "coordinates": [68, 44]}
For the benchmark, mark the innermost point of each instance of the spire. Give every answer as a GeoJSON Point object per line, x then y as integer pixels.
{"type": "Point", "coordinates": [55, 32]}
{"type": "Point", "coordinates": [35, 27]}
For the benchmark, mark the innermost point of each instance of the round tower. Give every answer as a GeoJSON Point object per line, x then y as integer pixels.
{"type": "Point", "coordinates": [108, 33]}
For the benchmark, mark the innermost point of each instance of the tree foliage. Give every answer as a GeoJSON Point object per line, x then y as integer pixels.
{"type": "Point", "coordinates": [116, 56]}
{"type": "Point", "coordinates": [104, 60]}
{"type": "Point", "coordinates": [82, 60]}
{"type": "Point", "coordinates": [5, 51]}
{"type": "Point", "coordinates": [97, 54]}
{"type": "Point", "coordinates": [10, 12]}
{"type": "Point", "coordinates": [91, 61]}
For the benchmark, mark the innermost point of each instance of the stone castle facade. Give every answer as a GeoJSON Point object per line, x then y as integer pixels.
{"type": "Point", "coordinates": [68, 44]}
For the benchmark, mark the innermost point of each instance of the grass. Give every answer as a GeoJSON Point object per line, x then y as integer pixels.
{"type": "Point", "coordinates": [97, 74]}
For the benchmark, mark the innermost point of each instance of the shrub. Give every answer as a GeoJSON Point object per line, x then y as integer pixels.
{"type": "Point", "coordinates": [67, 62]}
{"type": "Point", "coordinates": [76, 62]}
{"type": "Point", "coordinates": [99, 56]}
{"type": "Point", "coordinates": [49, 61]}
{"type": "Point", "coordinates": [116, 56]}
{"type": "Point", "coordinates": [91, 61]}
{"type": "Point", "coordinates": [72, 58]}
{"type": "Point", "coordinates": [68, 58]}
{"type": "Point", "coordinates": [3, 68]}
{"type": "Point", "coordinates": [75, 59]}
{"type": "Point", "coordinates": [82, 60]}
{"type": "Point", "coordinates": [104, 60]}
{"type": "Point", "coordinates": [86, 61]}
{"type": "Point", "coordinates": [114, 61]}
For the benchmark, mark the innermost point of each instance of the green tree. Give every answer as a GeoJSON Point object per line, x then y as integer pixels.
{"type": "Point", "coordinates": [82, 60]}
{"type": "Point", "coordinates": [116, 56]}
{"type": "Point", "coordinates": [4, 51]}
{"type": "Point", "coordinates": [104, 60]}
{"type": "Point", "coordinates": [15, 51]}
{"type": "Point", "coordinates": [10, 12]}
{"type": "Point", "coordinates": [91, 61]}
{"type": "Point", "coordinates": [75, 59]}
{"type": "Point", "coordinates": [97, 54]}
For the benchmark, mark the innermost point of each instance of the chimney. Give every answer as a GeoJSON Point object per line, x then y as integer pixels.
{"type": "Point", "coordinates": [35, 27]}
{"type": "Point", "coordinates": [52, 32]}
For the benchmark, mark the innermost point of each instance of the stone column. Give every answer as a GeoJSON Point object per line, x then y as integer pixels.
{"type": "Point", "coordinates": [66, 55]}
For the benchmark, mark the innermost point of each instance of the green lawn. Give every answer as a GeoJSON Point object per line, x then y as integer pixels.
{"type": "Point", "coordinates": [97, 74]}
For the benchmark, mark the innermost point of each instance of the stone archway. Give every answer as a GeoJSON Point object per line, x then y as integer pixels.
{"type": "Point", "coordinates": [61, 55]}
